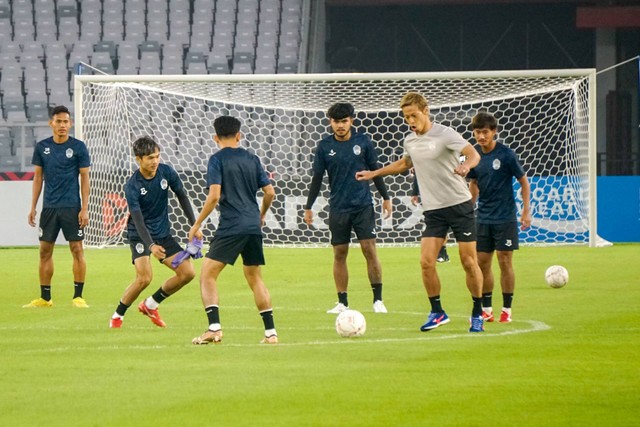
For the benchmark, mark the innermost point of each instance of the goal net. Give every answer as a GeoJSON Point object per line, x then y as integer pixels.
{"type": "Point", "coordinates": [547, 117]}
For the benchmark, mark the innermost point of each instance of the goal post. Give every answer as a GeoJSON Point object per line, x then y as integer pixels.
{"type": "Point", "coordinates": [546, 116]}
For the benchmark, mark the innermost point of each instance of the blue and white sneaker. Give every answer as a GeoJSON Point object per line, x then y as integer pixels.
{"type": "Point", "coordinates": [477, 324]}
{"type": "Point", "coordinates": [434, 320]}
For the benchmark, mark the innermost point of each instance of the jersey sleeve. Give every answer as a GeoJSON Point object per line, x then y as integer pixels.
{"type": "Point", "coordinates": [318, 161]}
{"type": "Point", "coordinates": [516, 167]}
{"type": "Point", "coordinates": [84, 160]}
{"type": "Point", "coordinates": [263, 179]}
{"type": "Point", "coordinates": [455, 141]}
{"type": "Point", "coordinates": [371, 156]}
{"type": "Point", "coordinates": [131, 194]}
{"type": "Point", "coordinates": [174, 179]}
{"type": "Point", "coordinates": [214, 172]}
{"type": "Point", "coordinates": [36, 159]}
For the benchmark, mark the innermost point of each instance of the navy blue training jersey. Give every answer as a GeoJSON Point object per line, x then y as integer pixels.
{"type": "Point", "coordinates": [61, 164]}
{"type": "Point", "coordinates": [341, 160]}
{"type": "Point", "coordinates": [151, 197]}
{"type": "Point", "coordinates": [240, 175]}
{"type": "Point", "coordinates": [494, 174]}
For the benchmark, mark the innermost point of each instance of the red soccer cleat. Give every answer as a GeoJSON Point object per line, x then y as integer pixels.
{"type": "Point", "coordinates": [151, 314]}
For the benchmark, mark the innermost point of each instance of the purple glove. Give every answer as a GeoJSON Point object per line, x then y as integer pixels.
{"type": "Point", "coordinates": [193, 250]}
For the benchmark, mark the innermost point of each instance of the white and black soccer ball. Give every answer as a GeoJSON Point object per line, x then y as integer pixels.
{"type": "Point", "coordinates": [556, 276]}
{"type": "Point", "coordinates": [351, 323]}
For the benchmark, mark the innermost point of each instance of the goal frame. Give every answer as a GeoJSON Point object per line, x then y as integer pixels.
{"type": "Point", "coordinates": [588, 74]}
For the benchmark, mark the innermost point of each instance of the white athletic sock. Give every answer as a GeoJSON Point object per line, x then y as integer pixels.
{"type": "Point", "coordinates": [151, 303]}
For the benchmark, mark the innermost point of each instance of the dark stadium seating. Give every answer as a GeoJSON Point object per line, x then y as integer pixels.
{"type": "Point", "coordinates": [41, 41]}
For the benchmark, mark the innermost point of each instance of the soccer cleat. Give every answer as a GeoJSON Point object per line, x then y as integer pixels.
{"type": "Point", "coordinates": [39, 303]}
{"type": "Point", "coordinates": [151, 314]}
{"type": "Point", "coordinates": [505, 316]}
{"type": "Point", "coordinates": [339, 308]}
{"type": "Point", "coordinates": [271, 339]}
{"type": "Point", "coordinates": [79, 302]}
{"type": "Point", "coordinates": [487, 315]}
{"type": "Point", "coordinates": [434, 320]}
{"type": "Point", "coordinates": [378, 307]}
{"type": "Point", "coordinates": [443, 256]}
{"type": "Point", "coordinates": [115, 322]}
{"type": "Point", "coordinates": [210, 337]}
{"type": "Point", "coordinates": [477, 324]}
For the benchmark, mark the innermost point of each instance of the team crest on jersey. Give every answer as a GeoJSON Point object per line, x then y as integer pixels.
{"type": "Point", "coordinates": [163, 184]}
{"type": "Point", "coordinates": [139, 248]}
{"type": "Point", "coordinates": [47, 150]}
{"type": "Point", "coordinates": [357, 150]}
{"type": "Point", "coordinates": [143, 191]}
{"type": "Point", "coordinates": [69, 153]}
{"type": "Point", "coordinates": [496, 164]}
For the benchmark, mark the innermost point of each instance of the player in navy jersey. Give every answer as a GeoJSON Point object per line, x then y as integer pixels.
{"type": "Point", "coordinates": [496, 216]}
{"type": "Point", "coordinates": [234, 176]}
{"type": "Point", "coordinates": [58, 161]}
{"type": "Point", "coordinates": [149, 230]}
{"type": "Point", "coordinates": [434, 151]}
{"type": "Point", "coordinates": [341, 155]}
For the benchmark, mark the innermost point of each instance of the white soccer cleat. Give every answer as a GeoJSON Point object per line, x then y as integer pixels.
{"type": "Point", "coordinates": [378, 307]}
{"type": "Point", "coordinates": [339, 308]}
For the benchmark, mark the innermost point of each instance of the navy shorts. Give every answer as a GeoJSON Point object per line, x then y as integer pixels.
{"type": "Point", "coordinates": [139, 249]}
{"type": "Point", "coordinates": [52, 220]}
{"type": "Point", "coordinates": [227, 248]}
{"type": "Point", "coordinates": [362, 222]}
{"type": "Point", "coordinates": [498, 237]}
{"type": "Point", "coordinates": [460, 218]}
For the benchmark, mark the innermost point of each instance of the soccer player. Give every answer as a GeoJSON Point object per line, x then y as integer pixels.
{"type": "Point", "coordinates": [341, 155]}
{"type": "Point", "coordinates": [443, 256]}
{"type": "Point", "coordinates": [234, 175]}
{"type": "Point", "coordinates": [434, 151]}
{"type": "Point", "coordinates": [496, 216]}
{"type": "Point", "coordinates": [58, 161]}
{"type": "Point", "coordinates": [149, 232]}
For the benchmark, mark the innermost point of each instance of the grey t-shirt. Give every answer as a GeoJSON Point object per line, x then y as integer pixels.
{"type": "Point", "coordinates": [435, 155]}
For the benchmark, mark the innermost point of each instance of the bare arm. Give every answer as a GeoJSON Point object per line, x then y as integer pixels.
{"type": "Point", "coordinates": [83, 216]}
{"type": "Point", "coordinates": [475, 190]}
{"type": "Point", "coordinates": [525, 220]}
{"type": "Point", "coordinates": [267, 199]}
{"type": "Point", "coordinates": [209, 205]}
{"type": "Point", "coordinates": [394, 168]}
{"type": "Point", "coordinates": [472, 160]}
{"type": "Point", "coordinates": [36, 190]}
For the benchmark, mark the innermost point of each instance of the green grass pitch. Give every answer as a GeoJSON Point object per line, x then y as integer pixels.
{"type": "Point", "coordinates": [570, 358]}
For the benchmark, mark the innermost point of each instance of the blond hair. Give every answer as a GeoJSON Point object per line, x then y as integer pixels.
{"type": "Point", "coordinates": [414, 98]}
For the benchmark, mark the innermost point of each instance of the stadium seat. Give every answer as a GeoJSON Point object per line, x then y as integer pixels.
{"type": "Point", "coordinates": [67, 11]}
{"type": "Point", "coordinates": [135, 30]}
{"type": "Point", "coordinates": [38, 111]}
{"type": "Point", "coordinates": [197, 68]}
{"type": "Point", "coordinates": [14, 109]}
{"type": "Point", "coordinates": [242, 68]}
{"type": "Point", "coordinates": [106, 46]}
{"type": "Point", "coordinates": [91, 29]}
{"type": "Point", "coordinates": [221, 67]}
{"type": "Point", "coordinates": [46, 31]}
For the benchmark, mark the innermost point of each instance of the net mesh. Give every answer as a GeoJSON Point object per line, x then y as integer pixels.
{"type": "Point", "coordinates": [545, 119]}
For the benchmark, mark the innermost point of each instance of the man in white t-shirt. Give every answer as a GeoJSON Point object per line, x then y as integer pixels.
{"type": "Point", "coordinates": [434, 151]}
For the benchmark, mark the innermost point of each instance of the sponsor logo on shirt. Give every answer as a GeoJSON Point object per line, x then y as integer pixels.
{"type": "Point", "coordinates": [143, 191]}
{"type": "Point", "coordinates": [47, 150]}
{"type": "Point", "coordinates": [357, 150]}
{"type": "Point", "coordinates": [496, 164]}
{"type": "Point", "coordinates": [69, 153]}
{"type": "Point", "coordinates": [163, 184]}
{"type": "Point", "coordinates": [332, 153]}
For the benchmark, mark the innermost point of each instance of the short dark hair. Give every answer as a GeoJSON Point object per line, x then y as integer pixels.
{"type": "Point", "coordinates": [226, 126]}
{"type": "Point", "coordinates": [341, 110]}
{"type": "Point", "coordinates": [58, 109]}
{"type": "Point", "coordinates": [144, 146]}
{"type": "Point", "coordinates": [484, 120]}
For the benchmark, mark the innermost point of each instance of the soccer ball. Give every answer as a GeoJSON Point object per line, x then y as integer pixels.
{"type": "Point", "coordinates": [556, 276]}
{"type": "Point", "coordinates": [351, 323]}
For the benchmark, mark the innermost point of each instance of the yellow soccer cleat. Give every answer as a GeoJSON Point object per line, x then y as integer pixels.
{"type": "Point", "coordinates": [79, 302]}
{"type": "Point", "coordinates": [272, 339]}
{"type": "Point", "coordinates": [39, 303]}
{"type": "Point", "coordinates": [209, 336]}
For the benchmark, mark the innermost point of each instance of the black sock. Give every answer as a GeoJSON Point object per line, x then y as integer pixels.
{"type": "Point", "coordinates": [213, 314]}
{"type": "Point", "coordinates": [122, 308]}
{"type": "Point", "coordinates": [159, 296]}
{"type": "Point", "coordinates": [267, 319]}
{"type": "Point", "coordinates": [77, 289]}
{"type": "Point", "coordinates": [486, 299]}
{"type": "Point", "coordinates": [377, 291]}
{"type": "Point", "coordinates": [436, 307]}
{"type": "Point", "coordinates": [507, 299]}
{"type": "Point", "coordinates": [477, 307]}
{"type": "Point", "coordinates": [342, 297]}
{"type": "Point", "coordinates": [45, 292]}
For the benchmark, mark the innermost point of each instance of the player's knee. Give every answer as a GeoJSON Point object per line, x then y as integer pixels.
{"type": "Point", "coordinates": [187, 274]}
